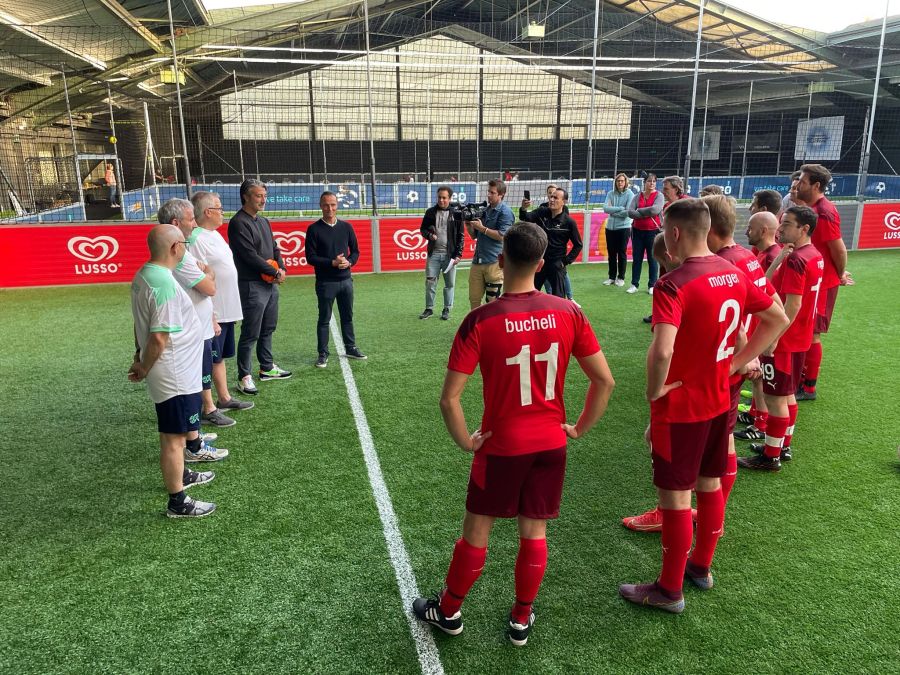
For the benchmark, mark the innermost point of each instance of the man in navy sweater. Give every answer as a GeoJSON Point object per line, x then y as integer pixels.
{"type": "Point", "coordinates": [332, 249]}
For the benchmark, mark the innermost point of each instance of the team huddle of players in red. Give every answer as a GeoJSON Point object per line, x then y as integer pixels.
{"type": "Point", "coordinates": [721, 314]}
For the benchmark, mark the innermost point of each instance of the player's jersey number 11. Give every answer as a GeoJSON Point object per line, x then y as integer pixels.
{"type": "Point", "coordinates": [523, 361]}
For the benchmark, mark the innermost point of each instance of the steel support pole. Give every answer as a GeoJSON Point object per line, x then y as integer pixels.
{"type": "Point", "coordinates": [74, 147]}
{"type": "Point", "coordinates": [151, 154]}
{"type": "Point", "coordinates": [184, 152]}
{"type": "Point", "coordinates": [687, 156]}
{"type": "Point", "coordinates": [864, 173]}
{"type": "Point", "coordinates": [702, 147]}
{"type": "Point", "coordinates": [590, 144]}
{"type": "Point", "coordinates": [200, 151]}
{"type": "Point", "coordinates": [746, 143]}
{"type": "Point", "coordinates": [240, 135]}
{"type": "Point", "coordinates": [371, 123]}
{"type": "Point", "coordinates": [616, 158]}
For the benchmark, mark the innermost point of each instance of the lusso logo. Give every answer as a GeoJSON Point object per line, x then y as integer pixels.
{"type": "Point", "coordinates": [411, 243]}
{"type": "Point", "coordinates": [94, 251]}
{"type": "Point", "coordinates": [892, 223]}
{"type": "Point", "coordinates": [292, 246]}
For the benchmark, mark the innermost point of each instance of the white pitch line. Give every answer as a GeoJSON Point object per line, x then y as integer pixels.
{"type": "Point", "coordinates": [429, 659]}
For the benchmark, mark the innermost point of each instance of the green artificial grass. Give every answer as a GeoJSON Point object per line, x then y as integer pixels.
{"type": "Point", "coordinates": [292, 573]}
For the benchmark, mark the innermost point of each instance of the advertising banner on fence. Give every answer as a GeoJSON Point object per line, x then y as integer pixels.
{"type": "Point", "coordinates": [91, 254]}
{"type": "Point", "coordinates": [402, 247]}
{"type": "Point", "coordinates": [880, 227]}
{"type": "Point", "coordinates": [597, 251]}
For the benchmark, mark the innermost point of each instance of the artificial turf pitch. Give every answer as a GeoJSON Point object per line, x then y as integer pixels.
{"type": "Point", "coordinates": [292, 573]}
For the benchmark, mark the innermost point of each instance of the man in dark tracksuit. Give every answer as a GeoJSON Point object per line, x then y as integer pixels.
{"type": "Point", "coordinates": [332, 249]}
{"type": "Point", "coordinates": [561, 229]}
{"type": "Point", "coordinates": [252, 244]}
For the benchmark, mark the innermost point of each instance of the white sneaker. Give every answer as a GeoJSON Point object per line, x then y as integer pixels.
{"type": "Point", "coordinates": [609, 282]}
{"type": "Point", "coordinates": [650, 291]}
{"type": "Point", "coordinates": [206, 453]}
{"type": "Point", "coordinates": [620, 282]}
{"type": "Point", "coordinates": [247, 386]}
{"type": "Point", "coordinates": [632, 289]}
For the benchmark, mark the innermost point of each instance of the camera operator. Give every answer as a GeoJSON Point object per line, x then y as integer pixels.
{"type": "Point", "coordinates": [444, 235]}
{"type": "Point", "coordinates": [485, 275]}
{"type": "Point", "coordinates": [555, 220]}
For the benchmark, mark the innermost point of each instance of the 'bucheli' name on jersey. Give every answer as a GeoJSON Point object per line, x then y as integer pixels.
{"type": "Point", "coordinates": [530, 324]}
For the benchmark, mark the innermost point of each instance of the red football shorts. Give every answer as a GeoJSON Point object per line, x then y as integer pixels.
{"type": "Point", "coordinates": [781, 372]}
{"type": "Point", "coordinates": [681, 451]}
{"type": "Point", "coordinates": [825, 310]}
{"type": "Point", "coordinates": [735, 400]}
{"type": "Point", "coordinates": [522, 485]}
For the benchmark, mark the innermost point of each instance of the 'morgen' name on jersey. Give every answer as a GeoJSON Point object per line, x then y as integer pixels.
{"type": "Point", "coordinates": [704, 299]}
{"type": "Point", "coordinates": [522, 343]}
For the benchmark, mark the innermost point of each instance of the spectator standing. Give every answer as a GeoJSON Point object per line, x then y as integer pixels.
{"type": "Point", "coordinates": [210, 248]}
{"type": "Point", "coordinates": [618, 229]}
{"type": "Point", "coordinates": [109, 177]}
{"type": "Point", "coordinates": [170, 348]}
{"type": "Point", "coordinates": [645, 210]}
{"type": "Point", "coordinates": [444, 235]}
{"type": "Point", "coordinates": [252, 244]}
{"type": "Point", "coordinates": [332, 249]}
{"type": "Point", "coordinates": [560, 229]}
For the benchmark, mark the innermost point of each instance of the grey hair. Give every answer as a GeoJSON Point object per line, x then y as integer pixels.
{"type": "Point", "coordinates": [203, 200]}
{"type": "Point", "coordinates": [173, 209]}
{"type": "Point", "coordinates": [675, 182]}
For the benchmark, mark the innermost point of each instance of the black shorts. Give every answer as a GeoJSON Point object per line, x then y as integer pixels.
{"type": "Point", "coordinates": [223, 343]}
{"type": "Point", "coordinates": [179, 414]}
{"type": "Point", "coordinates": [207, 364]}
{"type": "Point", "coordinates": [521, 485]}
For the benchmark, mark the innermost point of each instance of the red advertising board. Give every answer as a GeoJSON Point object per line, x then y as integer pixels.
{"type": "Point", "coordinates": [48, 255]}
{"type": "Point", "coordinates": [880, 227]}
{"type": "Point", "coordinates": [402, 247]}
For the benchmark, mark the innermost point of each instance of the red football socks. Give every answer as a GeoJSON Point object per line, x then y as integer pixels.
{"type": "Point", "coordinates": [775, 435]}
{"type": "Point", "coordinates": [729, 477]}
{"type": "Point", "coordinates": [677, 533]}
{"type": "Point", "coordinates": [761, 421]}
{"type": "Point", "coordinates": [530, 566]}
{"type": "Point", "coordinates": [792, 420]}
{"type": "Point", "coordinates": [813, 363]}
{"type": "Point", "coordinates": [710, 519]}
{"type": "Point", "coordinates": [465, 568]}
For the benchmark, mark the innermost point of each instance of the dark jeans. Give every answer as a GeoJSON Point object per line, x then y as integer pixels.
{"type": "Point", "coordinates": [327, 292]}
{"type": "Point", "coordinates": [616, 246]}
{"type": "Point", "coordinates": [259, 302]}
{"type": "Point", "coordinates": [553, 272]}
{"type": "Point", "coordinates": [641, 243]}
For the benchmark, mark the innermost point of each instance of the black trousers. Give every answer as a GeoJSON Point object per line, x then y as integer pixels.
{"type": "Point", "coordinates": [616, 246]}
{"type": "Point", "coordinates": [327, 292]}
{"type": "Point", "coordinates": [259, 303]}
{"type": "Point", "coordinates": [553, 271]}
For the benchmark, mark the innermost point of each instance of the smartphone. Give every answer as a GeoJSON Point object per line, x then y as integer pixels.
{"type": "Point", "coordinates": [528, 195]}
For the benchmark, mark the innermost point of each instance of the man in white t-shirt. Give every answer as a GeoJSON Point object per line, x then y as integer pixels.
{"type": "Point", "coordinates": [210, 248]}
{"type": "Point", "coordinates": [170, 347]}
{"type": "Point", "coordinates": [199, 283]}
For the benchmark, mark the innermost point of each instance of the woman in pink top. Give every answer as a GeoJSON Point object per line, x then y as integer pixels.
{"type": "Point", "coordinates": [645, 210]}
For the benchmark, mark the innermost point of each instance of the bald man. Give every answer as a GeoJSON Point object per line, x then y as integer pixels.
{"type": "Point", "coordinates": [170, 345]}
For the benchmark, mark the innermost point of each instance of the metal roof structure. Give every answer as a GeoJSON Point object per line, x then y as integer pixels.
{"type": "Point", "coordinates": [123, 46]}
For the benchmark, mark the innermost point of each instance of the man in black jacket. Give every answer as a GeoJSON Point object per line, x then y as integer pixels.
{"type": "Point", "coordinates": [561, 229]}
{"type": "Point", "coordinates": [332, 249]}
{"type": "Point", "coordinates": [252, 244]}
{"type": "Point", "coordinates": [444, 235]}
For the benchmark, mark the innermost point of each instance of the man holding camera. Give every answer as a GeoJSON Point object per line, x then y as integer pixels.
{"type": "Point", "coordinates": [485, 275]}
{"type": "Point", "coordinates": [444, 235]}
{"type": "Point", "coordinates": [560, 228]}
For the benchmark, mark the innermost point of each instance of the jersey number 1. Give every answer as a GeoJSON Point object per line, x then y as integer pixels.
{"type": "Point", "coordinates": [523, 360]}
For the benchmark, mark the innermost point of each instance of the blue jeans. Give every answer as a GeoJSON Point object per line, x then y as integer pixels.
{"type": "Point", "coordinates": [567, 286]}
{"type": "Point", "coordinates": [641, 244]}
{"type": "Point", "coordinates": [434, 266]}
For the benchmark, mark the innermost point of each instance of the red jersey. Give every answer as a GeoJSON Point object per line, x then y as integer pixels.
{"type": "Point", "coordinates": [704, 299]}
{"type": "Point", "coordinates": [828, 228]}
{"type": "Point", "coordinates": [522, 343]}
{"type": "Point", "coordinates": [767, 257]}
{"type": "Point", "coordinates": [800, 274]}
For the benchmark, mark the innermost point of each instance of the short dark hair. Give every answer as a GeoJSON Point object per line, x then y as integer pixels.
{"type": "Point", "coordinates": [444, 188]}
{"type": "Point", "coordinates": [722, 215]}
{"type": "Point", "coordinates": [327, 193]}
{"type": "Point", "coordinates": [565, 193]}
{"type": "Point", "coordinates": [649, 176]}
{"type": "Point", "coordinates": [796, 175]}
{"type": "Point", "coordinates": [691, 215]}
{"type": "Point", "coordinates": [524, 244]}
{"type": "Point", "coordinates": [817, 174]}
{"type": "Point", "coordinates": [499, 184]}
{"type": "Point", "coordinates": [251, 183]}
{"type": "Point", "coordinates": [804, 216]}
{"type": "Point", "coordinates": [712, 190]}
{"type": "Point", "coordinates": [770, 200]}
